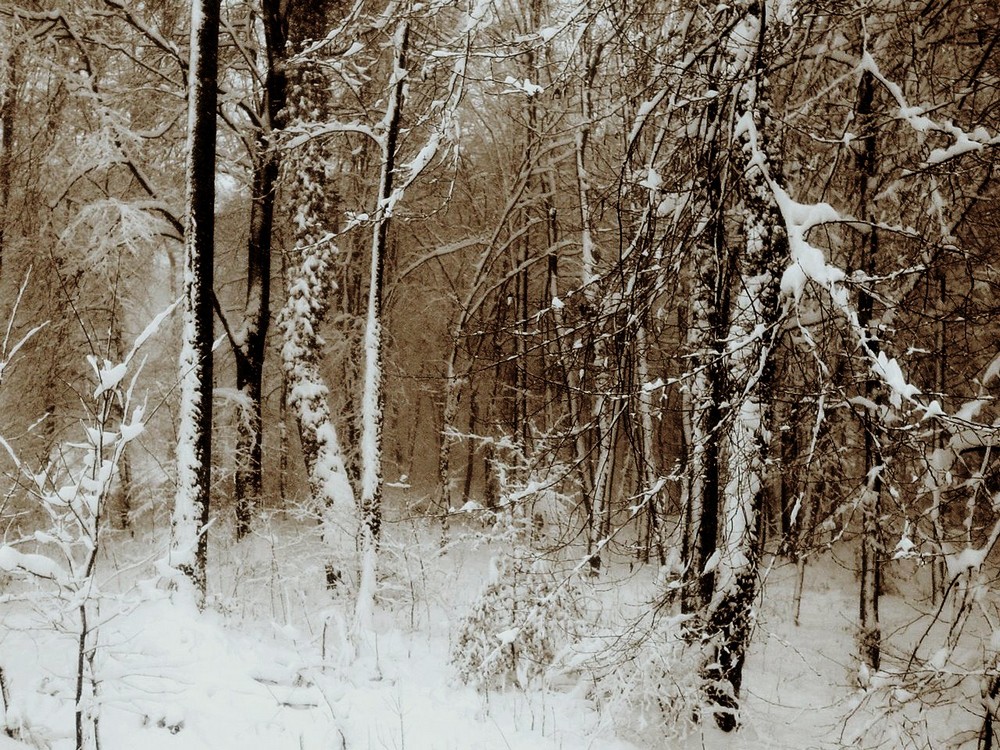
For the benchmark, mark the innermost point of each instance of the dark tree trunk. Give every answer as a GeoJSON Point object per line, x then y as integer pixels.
{"type": "Point", "coordinates": [746, 416]}
{"type": "Point", "coordinates": [248, 477]}
{"type": "Point", "coordinates": [8, 115]}
{"type": "Point", "coordinates": [707, 328]}
{"type": "Point", "coordinates": [194, 481]}
{"type": "Point", "coordinates": [871, 549]}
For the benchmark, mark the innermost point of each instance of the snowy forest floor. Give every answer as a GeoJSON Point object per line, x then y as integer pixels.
{"type": "Point", "coordinates": [269, 664]}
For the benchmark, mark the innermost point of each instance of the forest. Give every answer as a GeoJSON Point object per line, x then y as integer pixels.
{"type": "Point", "coordinates": [523, 374]}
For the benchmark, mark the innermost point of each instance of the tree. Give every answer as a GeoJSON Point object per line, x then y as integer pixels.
{"type": "Point", "coordinates": [313, 205]}
{"type": "Point", "coordinates": [373, 397]}
{"type": "Point", "coordinates": [249, 342]}
{"type": "Point", "coordinates": [746, 423]}
{"type": "Point", "coordinates": [189, 550]}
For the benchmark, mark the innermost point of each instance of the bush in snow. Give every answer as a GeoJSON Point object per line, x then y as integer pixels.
{"type": "Point", "coordinates": [651, 677]}
{"type": "Point", "coordinates": [520, 623]}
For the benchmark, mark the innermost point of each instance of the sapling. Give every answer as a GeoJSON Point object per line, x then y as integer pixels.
{"type": "Point", "coordinates": [73, 491]}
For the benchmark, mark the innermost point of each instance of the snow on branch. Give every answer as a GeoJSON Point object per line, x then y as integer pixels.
{"type": "Point", "coordinates": [916, 116]}
{"type": "Point", "coordinates": [305, 132]}
{"type": "Point", "coordinates": [808, 263]}
{"type": "Point", "coordinates": [40, 566]}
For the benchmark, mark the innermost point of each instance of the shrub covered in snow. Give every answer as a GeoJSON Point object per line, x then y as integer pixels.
{"type": "Point", "coordinates": [525, 616]}
{"type": "Point", "coordinates": [650, 681]}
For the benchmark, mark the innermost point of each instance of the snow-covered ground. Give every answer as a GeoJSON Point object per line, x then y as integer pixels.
{"type": "Point", "coordinates": [269, 665]}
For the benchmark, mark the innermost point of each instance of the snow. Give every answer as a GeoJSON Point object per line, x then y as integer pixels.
{"type": "Point", "coordinates": [548, 33]}
{"type": "Point", "coordinates": [507, 637]}
{"type": "Point", "coordinates": [712, 563]}
{"type": "Point", "coordinates": [522, 86]}
{"type": "Point", "coordinates": [643, 112]}
{"type": "Point", "coordinates": [151, 328]}
{"type": "Point", "coordinates": [652, 180]}
{"type": "Point", "coordinates": [970, 409]}
{"type": "Point", "coordinates": [992, 371]}
{"type": "Point", "coordinates": [653, 385]}
{"type": "Point", "coordinates": [424, 156]}
{"type": "Point", "coordinates": [915, 116]}
{"type": "Point", "coordinates": [185, 515]}
{"type": "Point", "coordinates": [891, 374]}
{"type": "Point", "coordinates": [174, 678]}
{"type": "Point", "coordinates": [904, 548]}
{"type": "Point", "coordinates": [969, 558]}
{"type": "Point", "coordinates": [932, 410]}
{"type": "Point", "coordinates": [37, 565]}
{"type": "Point", "coordinates": [743, 40]}
{"type": "Point", "coordinates": [109, 375]}
{"type": "Point", "coordinates": [477, 16]}
{"type": "Point", "coordinates": [808, 263]}
{"type": "Point", "coordinates": [264, 666]}
{"type": "Point", "coordinates": [963, 145]}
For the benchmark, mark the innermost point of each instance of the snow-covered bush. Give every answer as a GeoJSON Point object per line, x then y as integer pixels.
{"type": "Point", "coordinates": [526, 615]}
{"type": "Point", "coordinates": [649, 682]}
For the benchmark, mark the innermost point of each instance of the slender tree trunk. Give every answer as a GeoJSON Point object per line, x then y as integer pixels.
{"type": "Point", "coordinates": [8, 118]}
{"type": "Point", "coordinates": [605, 420]}
{"type": "Point", "coordinates": [452, 394]}
{"type": "Point", "coordinates": [597, 462]}
{"type": "Point", "coordinates": [121, 495]}
{"type": "Point", "coordinates": [788, 485]}
{"type": "Point", "coordinates": [373, 398]}
{"type": "Point", "coordinates": [938, 571]}
{"type": "Point", "coordinates": [250, 347]}
{"type": "Point", "coordinates": [649, 471]}
{"type": "Point", "coordinates": [803, 528]}
{"type": "Point", "coordinates": [871, 549]}
{"type": "Point", "coordinates": [572, 380]}
{"type": "Point", "coordinates": [470, 451]}
{"type": "Point", "coordinates": [709, 292]}
{"type": "Point", "coordinates": [189, 552]}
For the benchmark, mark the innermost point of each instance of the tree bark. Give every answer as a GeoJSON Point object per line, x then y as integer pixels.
{"type": "Point", "coordinates": [8, 118]}
{"type": "Point", "coordinates": [248, 482]}
{"type": "Point", "coordinates": [373, 397]}
{"type": "Point", "coordinates": [709, 309]}
{"type": "Point", "coordinates": [189, 550]}
{"type": "Point", "coordinates": [871, 548]}
{"type": "Point", "coordinates": [312, 202]}
{"type": "Point", "coordinates": [747, 414]}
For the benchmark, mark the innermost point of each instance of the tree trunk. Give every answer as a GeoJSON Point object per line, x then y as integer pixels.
{"type": "Point", "coordinates": [746, 421]}
{"type": "Point", "coordinates": [189, 551]}
{"type": "Point", "coordinates": [8, 116]}
{"type": "Point", "coordinates": [310, 280]}
{"type": "Point", "coordinates": [373, 398]}
{"type": "Point", "coordinates": [649, 471]}
{"type": "Point", "coordinates": [709, 294]}
{"type": "Point", "coordinates": [248, 482]}
{"type": "Point", "coordinates": [470, 451]}
{"type": "Point", "coordinates": [871, 549]}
